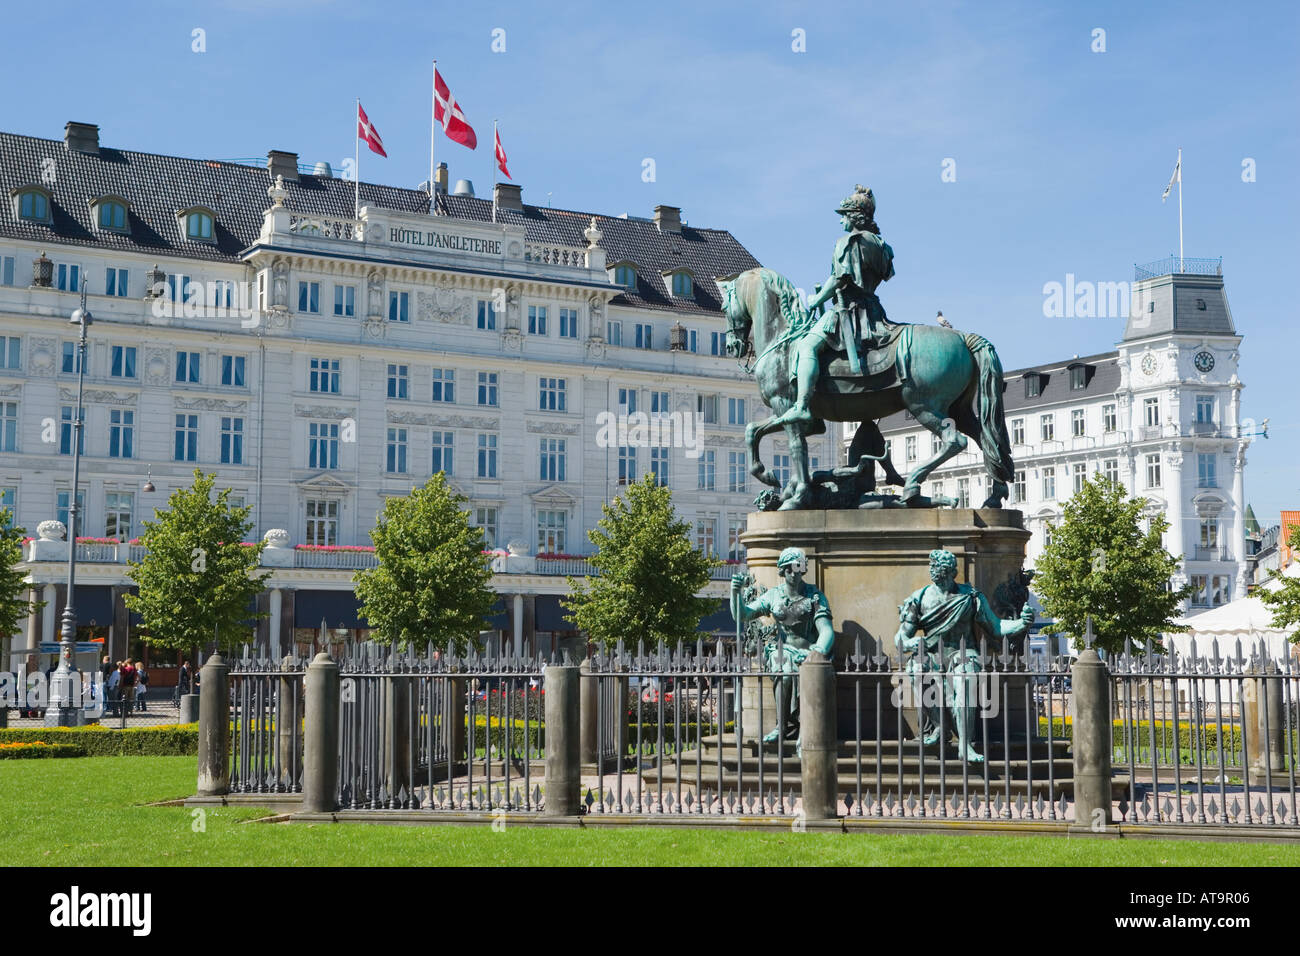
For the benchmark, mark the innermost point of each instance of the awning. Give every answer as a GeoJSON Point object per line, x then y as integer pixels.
{"type": "Point", "coordinates": [719, 622]}
{"type": "Point", "coordinates": [93, 602]}
{"type": "Point", "coordinates": [497, 619]}
{"type": "Point", "coordinates": [551, 616]}
{"type": "Point", "coordinates": [336, 608]}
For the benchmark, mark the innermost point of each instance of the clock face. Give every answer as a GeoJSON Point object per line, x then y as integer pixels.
{"type": "Point", "coordinates": [1204, 361]}
{"type": "Point", "coordinates": [1149, 364]}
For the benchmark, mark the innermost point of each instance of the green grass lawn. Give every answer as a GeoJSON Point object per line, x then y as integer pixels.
{"type": "Point", "coordinates": [75, 812]}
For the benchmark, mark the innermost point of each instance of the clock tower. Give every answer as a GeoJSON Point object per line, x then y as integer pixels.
{"type": "Point", "coordinates": [1180, 399]}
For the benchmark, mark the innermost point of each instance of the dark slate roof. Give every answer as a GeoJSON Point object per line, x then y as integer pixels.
{"type": "Point", "coordinates": [1175, 299]}
{"type": "Point", "coordinates": [1102, 381]}
{"type": "Point", "coordinates": [157, 187]}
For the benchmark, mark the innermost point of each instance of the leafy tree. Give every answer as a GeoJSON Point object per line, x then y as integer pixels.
{"type": "Point", "coordinates": [1285, 601]}
{"type": "Point", "coordinates": [1100, 563]}
{"type": "Point", "coordinates": [432, 585]}
{"type": "Point", "coordinates": [649, 575]}
{"type": "Point", "coordinates": [13, 606]}
{"type": "Point", "coordinates": [197, 580]}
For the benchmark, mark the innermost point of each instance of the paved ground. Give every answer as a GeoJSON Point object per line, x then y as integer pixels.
{"type": "Point", "coordinates": [162, 711]}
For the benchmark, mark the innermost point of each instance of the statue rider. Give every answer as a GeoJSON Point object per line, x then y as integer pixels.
{"type": "Point", "coordinates": [861, 262]}
{"type": "Point", "coordinates": [803, 621]}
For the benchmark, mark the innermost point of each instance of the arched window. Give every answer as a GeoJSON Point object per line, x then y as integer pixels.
{"type": "Point", "coordinates": [112, 215]}
{"type": "Point", "coordinates": [198, 225]}
{"type": "Point", "coordinates": [34, 206]}
{"type": "Point", "coordinates": [683, 287]}
{"type": "Point", "coordinates": [625, 275]}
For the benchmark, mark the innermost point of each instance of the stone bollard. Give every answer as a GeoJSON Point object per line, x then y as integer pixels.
{"type": "Point", "coordinates": [590, 709]}
{"type": "Point", "coordinates": [214, 729]}
{"type": "Point", "coordinates": [289, 726]}
{"type": "Point", "coordinates": [398, 756]}
{"type": "Point", "coordinates": [320, 776]}
{"type": "Point", "coordinates": [189, 709]}
{"type": "Point", "coordinates": [1262, 722]}
{"type": "Point", "coordinates": [563, 767]}
{"type": "Point", "coordinates": [1093, 741]}
{"type": "Point", "coordinates": [818, 743]}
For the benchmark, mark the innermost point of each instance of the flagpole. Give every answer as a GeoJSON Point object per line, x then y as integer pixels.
{"type": "Point", "coordinates": [433, 133]}
{"type": "Point", "coordinates": [356, 164]}
{"type": "Point", "coordinates": [494, 170]}
{"type": "Point", "coordinates": [1180, 209]}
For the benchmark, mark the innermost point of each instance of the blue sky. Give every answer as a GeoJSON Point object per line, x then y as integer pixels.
{"type": "Point", "coordinates": [1060, 152]}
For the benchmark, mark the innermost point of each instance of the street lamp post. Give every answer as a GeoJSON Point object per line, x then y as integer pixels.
{"type": "Point", "coordinates": [64, 709]}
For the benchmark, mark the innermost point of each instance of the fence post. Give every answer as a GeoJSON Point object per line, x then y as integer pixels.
{"type": "Point", "coordinates": [214, 728]}
{"type": "Point", "coordinates": [289, 723]}
{"type": "Point", "coordinates": [458, 739]}
{"type": "Point", "coordinates": [1093, 741]}
{"type": "Point", "coordinates": [817, 739]}
{"type": "Point", "coordinates": [320, 776]}
{"type": "Point", "coordinates": [589, 709]}
{"type": "Point", "coordinates": [563, 767]}
{"type": "Point", "coordinates": [397, 733]}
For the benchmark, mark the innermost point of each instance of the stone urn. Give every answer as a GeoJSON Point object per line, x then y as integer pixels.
{"type": "Point", "coordinates": [52, 530]}
{"type": "Point", "coordinates": [276, 538]}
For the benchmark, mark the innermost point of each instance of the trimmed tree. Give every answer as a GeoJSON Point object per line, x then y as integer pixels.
{"type": "Point", "coordinates": [433, 582]}
{"type": "Point", "coordinates": [1101, 564]}
{"type": "Point", "coordinates": [649, 575]}
{"type": "Point", "coordinates": [197, 580]}
{"type": "Point", "coordinates": [1285, 601]}
{"type": "Point", "coordinates": [13, 606]}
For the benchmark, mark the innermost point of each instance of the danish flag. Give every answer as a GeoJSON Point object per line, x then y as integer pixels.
{"type": "Point", "coordinates": [448, 112]}
{"type": "Point", "coordinates": [367, 131]}
{"type": "Point", "coordinates": [501, 156]}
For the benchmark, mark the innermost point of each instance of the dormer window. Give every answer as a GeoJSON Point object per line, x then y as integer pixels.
{"type": "Point", "coordinates": [197, 223]}
{"type": "Point", "coordinates": [625, 275]}
{"type": "Point", "coordinates": [32, 204]}
{"type": "Point", "coordinates": [683, 285]}
{"type": "Point", "coordinates": [111, 215]}
{"type": "Point", "coordinates": [1079, 376]}
{"type": "Point", "coordinates": [1033, 384]}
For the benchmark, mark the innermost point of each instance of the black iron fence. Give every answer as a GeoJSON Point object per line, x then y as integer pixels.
{"type": "Point", "coordinates": [266, 724]}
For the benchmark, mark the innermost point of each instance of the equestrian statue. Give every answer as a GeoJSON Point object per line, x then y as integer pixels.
{"type": "Point", "coordinates": [852, 364]}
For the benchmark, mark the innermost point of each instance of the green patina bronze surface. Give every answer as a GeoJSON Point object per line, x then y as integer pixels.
{"type": "Point", "coordinates": [951, 615]}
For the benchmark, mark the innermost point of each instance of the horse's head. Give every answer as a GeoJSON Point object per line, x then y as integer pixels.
{"type": "Point", "coordinates": [739, 320]}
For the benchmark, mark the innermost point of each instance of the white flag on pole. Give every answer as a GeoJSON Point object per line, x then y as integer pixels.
{"type": "Point", "coordinates": [1177, 177]}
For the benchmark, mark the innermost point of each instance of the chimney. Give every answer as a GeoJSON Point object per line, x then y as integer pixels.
{"type": "Point", "coordinates": [668, 218]}
{"type": "Point", "coordinates": [81, 137]}
{"type": "Point", "coordinates": [440, 179]}
{"type": "Point", "coordinates": [280, 163]}
{"type": "Point", "coordinates": [507, 196]}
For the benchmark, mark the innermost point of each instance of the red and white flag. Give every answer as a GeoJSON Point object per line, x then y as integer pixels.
{"type": "Point", "coordinates": [448, 112]}
{"type": "Point", "coordinates": [501, 156]}
{"type": "Point", "coordinates": [367, 132]}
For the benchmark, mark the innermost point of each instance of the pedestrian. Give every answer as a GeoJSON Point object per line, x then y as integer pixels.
{"type": "Point", "coordinates": [106, 668]}
{"type": "Point", "coordinates": [128, 686]}
{"type": "Point", "coordinates": [113, 688]}
{"type": "Point", "coordinates": [141, 686]}
{"type": "Point", "coordinates": [183, 680]}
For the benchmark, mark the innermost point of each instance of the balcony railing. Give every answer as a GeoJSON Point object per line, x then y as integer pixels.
{"type": "Point", "coordinates": [1174, 265]}
{"type": "Point", "coordinates": [324, 226]}
{"type": "Point", "coordinates": [573, 256]}
{"type": "Point", "coordinates": [340, 560]}
{"type": "Point", "coordinates": [1203, 429]}
{"type": "Point", "coordinates": [1214, 553]}
{"type": "Point", "coordinates": [94, 553]}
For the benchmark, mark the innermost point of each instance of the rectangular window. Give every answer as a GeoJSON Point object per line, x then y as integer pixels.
{"type": "Point", "coordinates": [322, 522]}
{"type": "Point", "coordinates": [1109, 418]}
{"type": "Point", "coordinates": [1019, 491]}
{"type": "Point", "coordinates": [397, 451]}
{"type": "Point", "coordinates": [717, 343]}
{"type": "Point", "coordinates": [1153, 471]}
{"type": "Point", "coordinates": [735, 550]}
{"type": "Point", "coordinates": [1110, 469]}
{"type": "Point", "coordinates": [486, 518]}
{"type": "Point", "coordinates": [122, 361]}
{"type": "Point", "coordinates": [707, 406]}
{"type": "Point", "coordinates": [551, 394]}
{"type": "Point", "coordinates": [659, 403]}
{"type": "Point", "coordinates": [6, 270]}
{"type": "Point", "coordinates": [1017, 431]}
{"type": "Point", "coordinates": [232, 370]}
{"type": "Point", "coordinates": [936, 443]}
{"type": "Point", "coordinates": [121, 433]}
{"type": "Point", "coordinates": [1049, 483]}
{"type": "Point", "coordinates": [11, 351]}
{"type": "Point", "coordinates": [444, 385]}
{"type": "Point", "coordinates": [550, 532]}
{"type": "Point", "coordinates": [66, 422]}
{"type": "Point", "coordinates": [706, 535]}
{"type": "Point", "coordinates": [1079, 472]}
{"type": "Point", "coordinates": [626, 401]}
{"type": "Point", "coordinates": [187, 438]}
{"type": "Point", "coordinates": [781, 469]}
{"type": "Point", "coordinates": [1205, 409]}
{"type": "Point", "coordinates": [487, 315]}
{"type": "Point", "coordinates": [399, 306]}
{"type": "Point", "coordinates": [736, 411]}
{"type": "Point", "coordinates": [1220, 590]}
{"type": "Point", "coordinates": [1209, 532]}
{"type": "Point", "coordinates": [1047, 427]}
{"type": "Point", "coordinates": [1206, 471]}
{"type": "Point", "coordinates": [487, 388]}
{"type": "Point", "coordinates": [1200, 590]}
{"type": "Point", "coordinates": [178, 287]}
{"type": "Point", "coordinates": [232, 440]}
{"type": "Point", "coordinates": [9, 426]}
{"type": "Point", "coordinates": [568, 323]}
{"type": "Point", "coordinates": [614, 332]}
{"type": "Point", "coordinates": [1033, 385]}
{"type": "Point", "coordinates": [708, 467]}
{"type": "Point", "coordinates": [1078, 377]}
{"type": "Point", "coordinates": [909, 448]}
{"type": "Point", "coordinates": [399, 381]}
{"type": "Point", "coordinates": [115, 281]}
{"type": "Point", "coordinates": [487, 456]}
{"type": "Point", "coordinates": [61, 509]}
{"type": "Point", "coordinates": [187, 366]}
{"type": "Point", "coordinates": [322, 445]}
{"type": "Point", "coordinates": [1078, 423]}
{"type": "Point", "coordinates": [9, 503]}
{"type": "Point", "coordinates": [1151, 412]}
{"type": "Point", "coordinates": [626, 464]}
{"type": "Point", "coordinates": [69, 277]}
{"type": "Point", "coordinates": [963, 492]}
{"type": "Point", "coordinates": [659, 465]}
{"type": "Point", "coordinates": [443, 453]}
{"type": "Point", "coordinates": [309, 297]}
{"type": "Point", "coordinates": [736, 471]}
{"type": "Point", "coordinates": [71, 358]}
{"type": "Point", "coordinates": [345, 300]}
{"type": "Point", "coordinates": [537, 320]}
{"type": "Point", "coordinates": [324, 376]}
{"type": "Point", "coordinates": [692, 340]}
{"type": "Point", "coordinates": [552, 455]}
{"type": "Point", "coordinates": [118, 506]}
{"type": "Point", "coordinates": [644, 335]}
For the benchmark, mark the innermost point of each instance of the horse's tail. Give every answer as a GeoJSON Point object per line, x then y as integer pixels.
{"type": "Point", "coordinates": [994, 440]}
